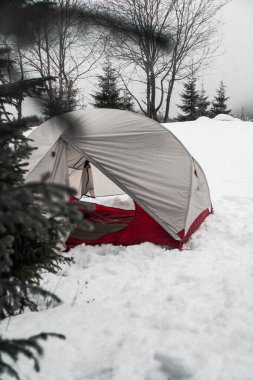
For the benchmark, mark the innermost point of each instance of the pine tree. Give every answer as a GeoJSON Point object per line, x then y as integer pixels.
{"type": "Point", "coordinates": [59, 102]}
{"type": "Point", "coordinates": [28, 237]}
{"type": "Point", "coordinates": [190, 100]}
{"type": "Point", "coordinates": [219, 105]}
{"type": "Point", "coordinates": [242, 116]}
{"type": "Point", "coordinates": [30, 348]}
{"type": "Point", "coordinates": [203, 103]}
{"type": "Point", "coordinates": [33, 220]}
{"type": "Point", "coordinates": [127, 102]}
{"type": "Point", "coordinates": [109, 94]}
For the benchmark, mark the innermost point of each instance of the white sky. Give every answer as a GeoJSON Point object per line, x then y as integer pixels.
{"type": "Point", "coordinates": [235, 66]}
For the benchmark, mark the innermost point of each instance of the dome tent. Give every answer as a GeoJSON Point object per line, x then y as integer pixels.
{"type": "Point", "coordinates": [140, 156]}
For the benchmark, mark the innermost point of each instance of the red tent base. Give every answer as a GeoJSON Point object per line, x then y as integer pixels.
{"type": "Point", "coordinates": [138, 227]}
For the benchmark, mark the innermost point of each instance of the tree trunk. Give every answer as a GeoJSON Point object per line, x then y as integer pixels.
{"type": "Point", "coordinates": [19, 108]}
{"type": "Point", "coordinates": [153, 113]}
{"type": "Point", "coordinates": [168, 99]}
{"type": "Point", "coordinates": [148, 113]}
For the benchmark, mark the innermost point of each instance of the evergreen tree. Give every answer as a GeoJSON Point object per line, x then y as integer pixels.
{"type": "Point", "coordinates": [190, 100]}
{"type": "Point", "coordinates": [109, 95]}
{"type": "Point", "coordinates": [59, 102]}
{"type": "Point", "coordinates": [242, 116]}
{"type": "Point", "coordinates": [33, 220]}
{"type": "Point", "coordinates": [203, 103]}
{"type": "Point", "coordinates": [29, 239]}
{"type": "Point", "coordinates": [127, 102]}
{"type": "Point", "coordinates": [219, 105]}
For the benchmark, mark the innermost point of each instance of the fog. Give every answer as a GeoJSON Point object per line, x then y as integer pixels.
{"type": "Point", "coordinates": [235, 65]}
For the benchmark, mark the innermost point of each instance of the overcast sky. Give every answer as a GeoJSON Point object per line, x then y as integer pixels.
{"type": "Point", "coordinates": [235, 66]}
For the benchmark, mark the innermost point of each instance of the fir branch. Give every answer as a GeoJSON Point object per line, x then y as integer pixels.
{"type": "Point", "coordinates": [30, 348]}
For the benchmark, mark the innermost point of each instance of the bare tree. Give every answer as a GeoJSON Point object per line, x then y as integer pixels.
{"type": "Point", "coordinates": [66, 48]}
{"type": "Point", "coordinates": [149, 18]}
{"type": "Point", "coordinates": [191, 25]}
{"type": "Point", "coordinates": [194, 28]}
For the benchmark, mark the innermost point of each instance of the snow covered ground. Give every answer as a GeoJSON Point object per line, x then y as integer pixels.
{"type": "Point", "coordinates": [146, 313]}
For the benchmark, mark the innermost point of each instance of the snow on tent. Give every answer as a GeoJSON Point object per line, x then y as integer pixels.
{"type": "Point", "coordinates": [128, 153]}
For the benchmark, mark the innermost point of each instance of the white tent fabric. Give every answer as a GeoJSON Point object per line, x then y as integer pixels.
{"type": "Point", "coordinates": [103, 186]}
{"type": "Point", "coordinates": [137, 154]}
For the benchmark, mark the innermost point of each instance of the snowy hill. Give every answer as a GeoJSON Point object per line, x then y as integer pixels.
{"type": "Point", "coordinates": [143, 312]}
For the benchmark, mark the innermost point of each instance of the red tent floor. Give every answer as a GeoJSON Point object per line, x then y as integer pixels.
{"type": "Point", "coordinates": [125, 227]}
